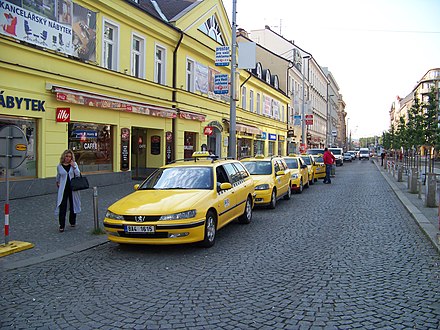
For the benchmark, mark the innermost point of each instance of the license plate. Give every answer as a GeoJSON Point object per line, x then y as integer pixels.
{"type": "Point", "coordinates": [139, 229]}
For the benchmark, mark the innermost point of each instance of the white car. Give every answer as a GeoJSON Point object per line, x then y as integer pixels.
{"type": "Point", "coordinates": [364, 153]}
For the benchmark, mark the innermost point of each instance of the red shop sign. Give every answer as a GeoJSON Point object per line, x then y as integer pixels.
{"type": "Point", "coordinates": [63, 115]}
{"type": "Point", "coordinates": [208, 130]}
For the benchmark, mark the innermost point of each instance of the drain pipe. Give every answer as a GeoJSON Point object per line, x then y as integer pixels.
{"type": "Point", "coordinates": [174, 97]}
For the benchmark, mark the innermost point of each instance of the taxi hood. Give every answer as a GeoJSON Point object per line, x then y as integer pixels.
{"type": "Point", "coordinates": [159, 202]}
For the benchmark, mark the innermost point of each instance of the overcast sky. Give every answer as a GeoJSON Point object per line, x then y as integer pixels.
{"type": "Point", "coordinates": [375, 49]}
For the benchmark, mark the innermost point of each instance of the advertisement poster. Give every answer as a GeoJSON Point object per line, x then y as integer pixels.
{"type": "Point", "coordinates": [58, 25]}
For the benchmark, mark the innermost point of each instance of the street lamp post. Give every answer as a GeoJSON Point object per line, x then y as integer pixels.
{"type": "Point", "coordinates": [347, 137]}
{"type": "Point", "coordinates": [232, 146]}
{"type": "Point", "coordinates": [303, 119]}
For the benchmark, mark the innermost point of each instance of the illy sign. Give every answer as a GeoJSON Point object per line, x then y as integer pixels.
{"type": "Point", "coordinates": [63, 115]}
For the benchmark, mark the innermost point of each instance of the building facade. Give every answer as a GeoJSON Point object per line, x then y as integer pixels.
{"type": "Point", "coordinates": [127, 85]}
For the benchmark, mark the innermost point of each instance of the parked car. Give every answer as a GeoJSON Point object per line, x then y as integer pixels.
{"type": "Point", "coordinates": [315, 151]}
{"type": "Point", "coordinates": [338, 153]}
{"type": "Point", "coordinates": [319, 167]}
{"type": "Point", "coordinates": [299, 173]}
{"type": "Point", "coordinates": [348, 157]}
{"type": "Point", "coordinates": [364, 153]}
{"type": "Point", "coordinates": [271, 179]}
{"type": "Point", "coordinates": [183, 202]}
{"type": "Point", "coordinates": [309, 161]}
{"type": "Point", "coordinates": [353, 154]}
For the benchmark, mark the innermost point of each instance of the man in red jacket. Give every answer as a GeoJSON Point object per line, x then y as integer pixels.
{"type": "Point", "coordinates": [329, 159]}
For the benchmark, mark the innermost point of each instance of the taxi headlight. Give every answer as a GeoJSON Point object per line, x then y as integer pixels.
{"type": "Point", "coordinates": [179, 216]}
{"type": "Point", "coordinates": [113, 216]}
{"type": "Point", "coordinates": [295, 176]}
{"type": "Point", "coordinates": [262, 187]}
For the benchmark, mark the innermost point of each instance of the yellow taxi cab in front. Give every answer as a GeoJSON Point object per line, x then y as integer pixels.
{"type": "Point", "coordinates": [299, 173]}
{"type": "Point", "coordinates": [272, 179]}
{"type": "Point", "coordinates": [183, 202]}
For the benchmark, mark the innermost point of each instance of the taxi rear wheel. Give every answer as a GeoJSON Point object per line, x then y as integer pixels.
{"type": "Point", "coordinates": [273, 200]}
{"type": "Point", "coordinates": [210, 230]}
{"type": "Point", "coordinates": [246, 217]}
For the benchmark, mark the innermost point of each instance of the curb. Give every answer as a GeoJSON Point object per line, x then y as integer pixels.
{"type": "Point", "coordinates": [425, 225]}
{"type": "Point", "coordinates": [57, 254]}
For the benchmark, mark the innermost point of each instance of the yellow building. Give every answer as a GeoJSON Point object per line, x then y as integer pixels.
{"type": "Point", "coordinates": [125, 85]}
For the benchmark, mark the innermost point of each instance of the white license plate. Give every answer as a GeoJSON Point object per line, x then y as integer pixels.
{"type": "Point", "coordinates": [139, 229]}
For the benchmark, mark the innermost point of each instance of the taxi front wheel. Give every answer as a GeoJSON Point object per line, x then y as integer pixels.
{"type": "Point", "coordinates": [246, 217]}
{"type": "Point", "coordinates": [210, 230]}
{"type": "Point", "coordinates": [273, 200]}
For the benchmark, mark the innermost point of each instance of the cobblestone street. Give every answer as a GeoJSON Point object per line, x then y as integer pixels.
{"type": "Point", "coordinates": [341, 256]}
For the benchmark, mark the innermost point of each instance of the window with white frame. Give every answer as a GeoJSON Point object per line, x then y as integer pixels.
{"type": "Point", "coordinates": [159, 65]}
{"type": "Point", "coordinates": [258, 103]}
{"type": "Point", "coordinates": [251, 100]}
{"type": "Point", "coordinates": [243, 97]}
{"type": "Point", "coordinates": [137, 56]}
{"type": "Point", "coordinates": [190, 75]}
{"type": "Point", "coordinates": [110, 49]}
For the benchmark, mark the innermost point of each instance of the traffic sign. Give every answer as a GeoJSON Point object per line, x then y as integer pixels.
{"type": "Point", "coordinates": [13, 146]}
{"type": "Point", "coordinates": [309, 119]}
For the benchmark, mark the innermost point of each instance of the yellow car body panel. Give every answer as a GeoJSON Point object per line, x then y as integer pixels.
{"type": "Point", "coordinates": [135, 219]}
{"type": "Point", "coordinates": [320, 167]}
{"type": "Point", "coordinates": [298, 174]}
{"type": "Point", "coordinates": [278, 182]}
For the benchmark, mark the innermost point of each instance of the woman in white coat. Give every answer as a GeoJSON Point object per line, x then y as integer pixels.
{"type": "Point", "coordinates": [66, 170]}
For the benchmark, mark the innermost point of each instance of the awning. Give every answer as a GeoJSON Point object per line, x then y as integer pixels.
{"type": "Point", "coordinates": [243, 128]}
{"type": "Point", "coordinates": [74, 96]}
{"type": "Point", "coordinates": [191, 116]}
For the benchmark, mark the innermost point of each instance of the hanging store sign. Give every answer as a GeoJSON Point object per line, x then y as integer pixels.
{"type": "Point", "coordinates": [63, 115]}
{"type": "Point", "coordinates": [272, 137]}
{"type": "Point", "coordinates": [125, 149]}
{"type": "Point", "coordinates": [309, 119]}
{"type": "Point", "coordinates": [221, 84]}
{"type": "Point", "coordinates": [208, 130]}
{"type": "Point", "coordinates": [191, 116]}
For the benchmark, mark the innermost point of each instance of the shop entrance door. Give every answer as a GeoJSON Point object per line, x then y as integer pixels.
{"type": "Point", "coordinates": [138, 153]}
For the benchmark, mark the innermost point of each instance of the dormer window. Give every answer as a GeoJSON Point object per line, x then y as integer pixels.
{"type": "Point", "coordinates": [212, 29]}
{"type": "Point", "coordinates": [268, 76]}
{"type": "Point", "coordinates": [276, 82]}
{"type": "Point", "coordinates": [259, 70]}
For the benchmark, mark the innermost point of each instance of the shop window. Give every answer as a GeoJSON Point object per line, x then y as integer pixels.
{"type": "Point", "coordinates": [28, 168]}
{"type": "Point", "coordinates": [258, 147]}
{"type": "Point", "coordinates": [92, 146]}
{"type": "Point", "coordinates": [244, 148]}
{"type": "Point", "coordinates": [271, 148]}
{"type": "Point", "coordinates": [190, 144]}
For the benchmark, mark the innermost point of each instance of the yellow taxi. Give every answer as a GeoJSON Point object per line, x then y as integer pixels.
{"type": "Point", "coordinates": [183, 202]}
{"type": "Point", "coordinates": [308, 160]}
{"type": "Point", "coordinates": [319, 167]}
{"type": "Point", "coordinates": [271, 178]}
{"type": "Point", "coordinates": [299, 173]}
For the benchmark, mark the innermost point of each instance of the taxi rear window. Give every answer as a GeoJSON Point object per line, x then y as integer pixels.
{"type": "Point", "coordinates": [258, 168]}
{"type": "Point", "coordinates": [292, 163]}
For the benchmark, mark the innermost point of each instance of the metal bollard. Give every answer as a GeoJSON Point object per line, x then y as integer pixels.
{"type": "Point", "coordinates": [95, 208]}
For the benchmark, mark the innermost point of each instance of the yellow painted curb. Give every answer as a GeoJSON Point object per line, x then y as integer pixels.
{"type": "Point", "coordinates": [14, 246]}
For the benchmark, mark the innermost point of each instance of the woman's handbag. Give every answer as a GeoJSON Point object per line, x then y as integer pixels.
{"type": "Point", "coordinates": [79, 183]}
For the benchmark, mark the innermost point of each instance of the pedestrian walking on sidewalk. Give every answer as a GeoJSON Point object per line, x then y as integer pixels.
{"type": "Point", "coordinates": [382, 157]}
{"type": "Point", "coordinates": [66, 170]}
{"type": "Point", "coordinates": [329, 159]}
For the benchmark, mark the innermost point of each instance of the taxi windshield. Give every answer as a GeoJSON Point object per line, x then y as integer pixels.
{"type": "Point", "coordinates": [291, 162]}
{"type": "Point", "coordinates": [307, 160]}
{"type": "Point", "coordinates": [258, 168]}
{"type": "Point", "coordinates": [179, 178]}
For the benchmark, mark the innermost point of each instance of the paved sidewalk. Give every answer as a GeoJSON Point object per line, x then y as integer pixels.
{"type": "Point", "coordinates": [33, 220]}
{"type": "Point", "coordinates": [426, 217]}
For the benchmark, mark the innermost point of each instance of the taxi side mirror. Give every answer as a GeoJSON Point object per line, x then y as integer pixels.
{"type": "Point", "coordinates": [225, 186]}
{"type": "Point", "coordinates": [279, 173]}
{"type": "Point", "coordinates": [136, 186]}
